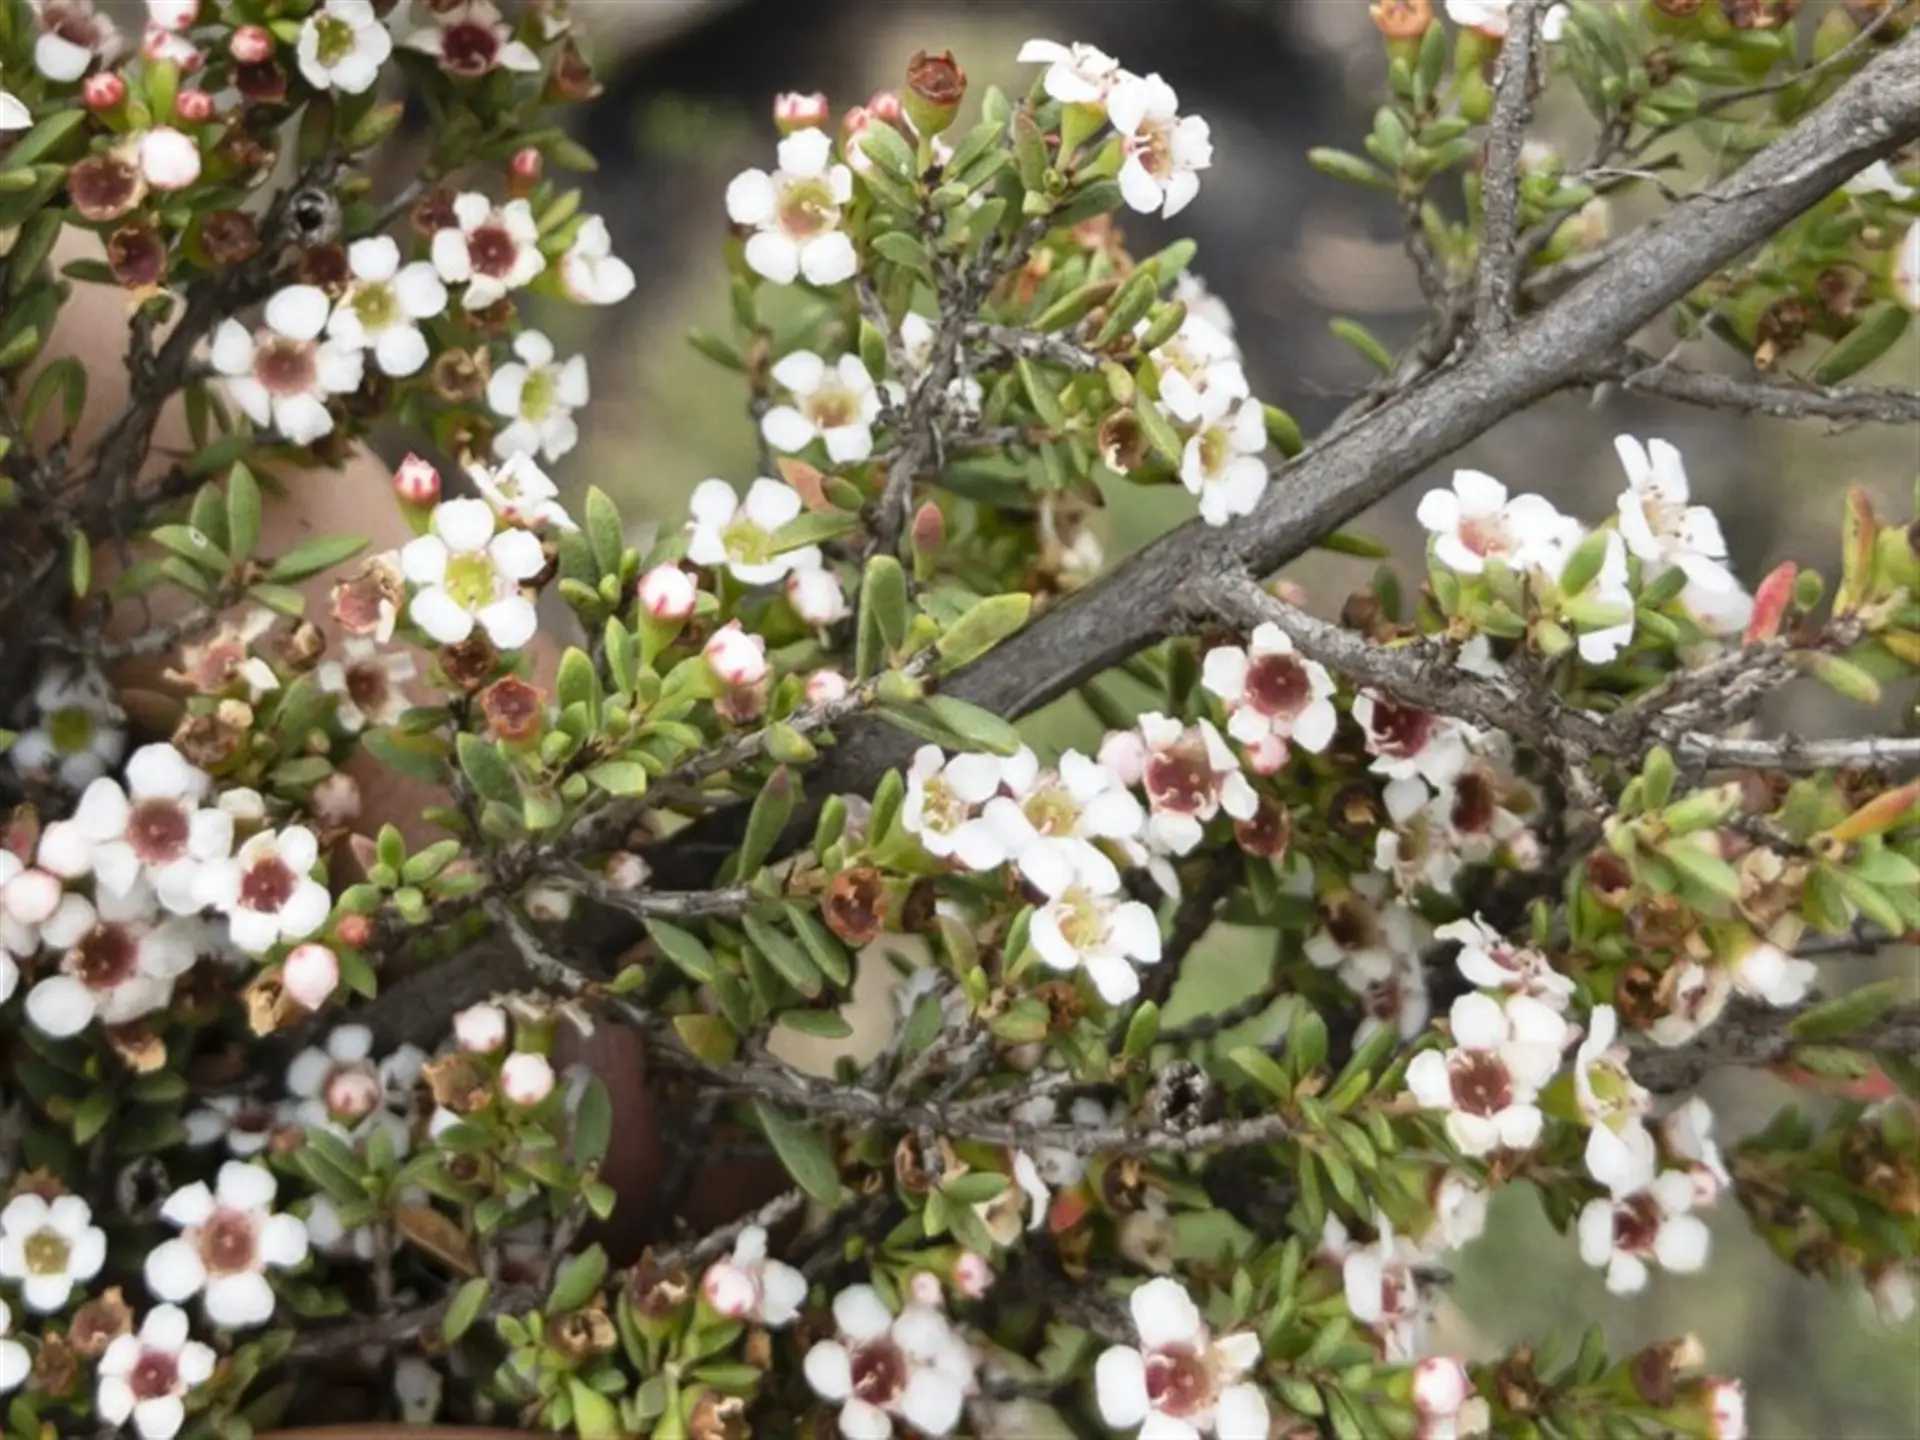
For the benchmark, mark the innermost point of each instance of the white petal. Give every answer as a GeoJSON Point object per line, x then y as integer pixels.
{"type": "Point", "coordinates": [1120, 1385]}
{"type": "Point", "coordinates": [283, 1241]}
{"type": "Point", "coordinates": [60, 1006]}
{"type": "Point", "coordinates": [774, 255]}
{"type": "Point", "coordinates": [805, 152]}
{"type": "Point", "coordinates": [829, 1370]}
{"type": "Point", "coordinates": [1164, 1314]}
{"type": "Point", "coordinates": [424, 560]}
{"type": "Point", "coordinates": [237, 1302]}
{"type": "Point", "coordinates": [1241, 1414]}
{"type": "Point", "coordinates": [829, 259]}
{"type": "Point", "coordinates": [516, 554]}
{"type": "Point", "coordinates": [298, 311]}
{"type": "Point", "coordinates": [375, 258]}
{"type": "Point", "coordinates": [713, 503]}
{"type": "Point", "coordinates": [786, 429]}
{"type": "Point", "coordinates": [933, 1402]}
{"type": "Point", "coordinates": [752, 198]}
{"type": "Point", "coordinates": [303, 419]}
{"type": "Point", "coordinates": [173, 1270]}
{"type": "Point", "coordinates": [400, 351]}
{"type": "Point", "coordinates": [861, 1314]}
{"type": "Point", "coordinates": [465, 525]}
{"type": "Point", "coordinates": [232, 348]}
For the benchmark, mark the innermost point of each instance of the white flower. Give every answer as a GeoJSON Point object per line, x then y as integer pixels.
{"type": "Point", "coordinates": [340, 1089]}
{"type": "Point", "coordinates": [1441, 1386]}
{"type": "Point", "coordinates": [726, 531]}
{"type": "Point", "coordinates": [1202, 304]}
{"type": "Point", "coordinates": [1459, 1214]}
{"type": "Point", "coordinates": [72, 36]}
{"type": "Point", "coordinates": [737, 657]}
{"type": "Point", "coordinates": [229, 1238]}
{"type": "Point", "coordinates": [342, 46]}
{"type": "Point", "coordinates": [1475, 522]}
{"type": "Point", "coordinates": [470, 39]}
{"type": "Point", "coordinates": [1180, 1382]}
{"type": "Point", "coordinates": [49, 1246]}
{"type": "Point", "coordinates": [1726, 1410]}
{"type": "Point", "coordinates": [1658, 524]}
{"type": "Point", "coordinates": [155, 828]}
{"type": "Point", "coordinates": [367, 679]}
{"type": "Point", "coordinates": [941, 807]}
{"type": "Point", "coordinates": [1879, 179]}
{"type": "Point", "coordinates": [521, 493]}
{"type": "Point", "coordinates": [1076, 74]}
{"type": "Point", "coordinates": [1623, 1233]}
{"type": "Point", "coordinates": [1090, 925]}
{"type": "Point", "coordinates": [747, 1285]}
{"type": "Point", "coordinates": [1490, 961]}
{"type": "Point", "coordinates": [1199, 370]}
{"type": "Point", "coordinates": [590, 272]}
{"type": "Point", "coordinates": [175, 15]}
{"type": "Point", "coordinates": [1417, 853]}
{"type": "Point", "coordinates": [1686, 1135]}
{"type": "Point", "coordinates": [265, 890]}
{"type": "Point", "coordinates": [880, 1366]}
{"type": "Point", "coordinates": [384, 304]}
{"type": "Point", "coordinates": [76, 737]}
{"type": "Point", "coordinates": [1360, 922]}
{"type": "Point", "coordinates": [538, 397]}
{"type": "Point", "coordinates": [1393, 993]}
{"type": "Point", "coordinates": [836, 405]}
{"type": "Point", "coordinates": [1272, 691]}
{"type": "Point", "coordinates": [118, 965]}
{"type": "Point", "coordinates": [15, 1363]}
{"type": "Point", "coordinates": [1619, 1152]}
{"type": "Point", "coordinates": [419, 1389]}
{"type": "Point", "coordinates": [795, 213]}
{"type": "Point", "coordinates": [1410, 746]}
{"type": "Point", "coordinates": [1490, 18]}
{"type": "Point", "coordinates": [817, 597]}
{"type": "Point", "coordinates": [144, 1377]}
{"type": "Point", "coordinates": [490, 250]}
{"type": "Point", "coordinates": [169, 160]}
{"type": "Point", "coordinates": [1384, 1292]}
{"type": "Point", "coordinates": [282, 374]}
{"type": "Point", "coordinates": [1190, 776]}
{"type": "Point", "coordinates": [1487, 1083]}
{"type": "Point", "coordinates": [1164, 150]}
{"type": "Point", "coordinates": [469, 570]}
{"type": "Point", "coordinates": [14, 115]}
{"type": "Point", "coordinates": [1223, 464]}
{"type": "Point", "coordinates": [1049, 821]}
{"type": "Point", "coordinates": [1766, 972]}
{"type": "Point", "coordinates": [1906, 269]}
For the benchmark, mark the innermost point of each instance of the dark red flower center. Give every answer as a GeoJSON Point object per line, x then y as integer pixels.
{"type": "Point", "coordinates": [1475, 803]}
{"type": "Point", "coordinates": [493, 251]}
{"type": "Point", "coordinates": [879, 1372]}
{"type": "Point", "coordinates": [1178, 1382]}
{"type": "Point", "coordinates": [228, 1243]}
{"type": "Point", "coordinates": [1481, 1084]}
{"type": "Point", "coordinates": [1399, 730]}
{"type": "Point", "coordinates": [1278, 684]}
{"type": "Point", "coordinates": [155, 1375]}
{"type": "Point", "coordinates": [285, 366]}
{"type": "Point", "coordinates": [268, 885]}
{"type": "Point", "coordinates": [106, 957]}
{"type": "Point", "coordinates": [158, 830]}
{"type": "Point", "coordinates": [468, 48]}
{"type": "Point", "coordinates": [1636, 1224]}
{"type": "Point", "coordinates": [1180, 779]}
{"type": "Point", "coordinates": [367, 685]}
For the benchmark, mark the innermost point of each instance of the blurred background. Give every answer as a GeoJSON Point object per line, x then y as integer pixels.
{"type": "Point", "coordinates": [688, 89]}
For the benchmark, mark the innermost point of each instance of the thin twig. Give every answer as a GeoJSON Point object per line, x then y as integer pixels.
{"type": "Point", "coordinates": [1751, 395]}
{"type": "Point", "coordinates": [1513, 88]}
{"type": "Point", "coordinates": [1884, 754]}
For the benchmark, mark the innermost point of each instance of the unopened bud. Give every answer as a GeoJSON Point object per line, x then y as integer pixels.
{"type": "Point", "coordinates": [929, 528]}
{"type": "Point", "coordinates": [972, 1274]}
{"type": "Point", "coordinates": [416, 481]}
{"type": "Point", "coordinates": [816, 597]}
{"type": "Point", "coordinates": [514, 710]}
{"type": "Point", "coordinates": [1441, 1386]}
{"type": "Point", "coordinates": [104, 91]}
{"type": "Point", "coordinates": [935, 87]}
{"type": "Point", "coordinates": [548, 903]}
{"type": "Point", "coordinates": [310, 976]}
{"type": "Point", "coordinates": [480, 1029]}
{"type": "Point", "coordinates": [824, 687]}
{"type": "Point", "coordinates": [336, 799]}
{"type": "Point", "coordinates": [523, 172]}
{"type": "Point", "coordinates": [1402, 19]}
{"type": "Point", "coordinates": [739, 659]}
{"type": "Point", "coordinates": [354, 930]}
{"type": "Point", "coordinates": [526, 1078]}
{"type": "Point", "coordinates": [668, 593]}
{"type": "Point", "coordinates": [793, 111]}
{"type": "Point", "coordinates": [627, 871]}
{"type": "Point", "coordinates": [193, 107]}
{"type": "Point", "coordinates": [884, 106]}
{"type": "Point", "coordinates": [251, 45]}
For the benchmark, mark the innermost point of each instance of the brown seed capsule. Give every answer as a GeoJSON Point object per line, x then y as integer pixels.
{"type": "Point", "coordinates": [325, 266]}
{"type": "Point", "coordinates": [99, 1322]}
{"type": "Point", "coordinates": [514, 710]}
{"type": "Point", "coordinates": [56, 1369]}
{"type": "Point", "coordinates": [229, 237]}
{"type": "Point", "coordinates": [471, 663]}
{"type": "Point", "coordinates": [137, 256]}
{"type": "Point", "coordinates": [206, 741]}
{"type": "Point", "coordinates": [855, 908]}
{"type": "Point", "coordinates": [935, 87]}
{"type": "Point", "coordinates": [1782, 327]}
{"type": "Point", "coordinates": [572, 77]}
{"type": "Point", "coordinates": [263, 83]}
{"type": "Point", "coordinates": [105, 187]}
{"type": "Point", "coordinates": [459, 377]}
{"type": "Point", "coordinates": [1402, 19]}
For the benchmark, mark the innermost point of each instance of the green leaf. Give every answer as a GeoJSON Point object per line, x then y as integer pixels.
{"type": "Point", "coordinates": [772, 808]}
{"type": "Point", "coordinates": [1583, 565]}
{"type": "Point", "coordinates": [820, 1024]}
{"type": "Point", "coordinates": [813, 527]}
{"type": "Point", "coordinates": [468, 1301]}
{"type": "Point", "coordinates": [1102, 197]}
{"type": "Point", "coordinates": [883, 594]}
{"type": "Point", "coordinates": [1708, 872]}
{"type": "Point", "coordinates": [488, 770]}
{"type": "Point", "coordinates": [822, 945]}
{"type": "Point", "coordinates": [192, 545]}
{"type": "Point", "coordinates": [1843, 1015]}
{"type": "Point", "coordinates": [978, 727]}
{"type": "Point", "coordinates": [80, 565]}
{"type": "Point", "coordinates": [1041, 395]}
{"type": "Point", "coordinates": [708, 1036]}
{"type": "Point", "coordinates": [1362, 339]}
{"type": "Point", "coordinates": [577, 684]}
{"type": "Point", "coordinates": [419, 757]}
{"type": "Point", "coordinates": [605, 535]}
{"type": "Point", "coordinates": [801, 1148]}
{"type": "Point", "coordinates": [785, 956]}
{"type": "Point", "coordinates": [984, 626]}
{"type": "Point", "coordinates": [625, 778]}
{"type": "Point", "coordinates": [888, 149]}
{"type": "Point", "coordinates": [315, 556]}
{"type": "Point", "coordinates": [592, 1125]}
{"type": "Point", "coordinates": [684, 949]}
{"type": "Point", "coordinates": [1263, 1070]}
{"type": "Point", "coordinates": [1877, 333]}
{"type": "Point", "coordinates": [578, 1281]}
{"type": "Point", "coordinates": [1160, 435]}
{"type": "Point", "coordinates": [42, 138]}
{"type": "Point", "coordinates": [1343, 165]}
{"type": "Point", "coordinates": [903, 249]}
{"type": "Point", "coordinates": [243, 512]}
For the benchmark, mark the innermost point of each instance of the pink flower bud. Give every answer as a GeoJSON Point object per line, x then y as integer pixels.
{"type": "Point", "coordinates": [173, 15]}
{"type": "Point", "coordinates": [354, 930]}
{"type": "Point", "coordinates": [730, 1290]}
{"type": "Point", "coordinates": [416, 481]}
{"type": "Point", "coordinates": [627, 871]}
{"type": "Point", "coordinates": [193, 107]}
{"type": "Point", "coordinates": [852, 126]}
{"type": "Point", "coordinates": [884, 106]}
{"type": "Point", "coordinates": [526, 1078]}
{"type": "Point", "coordinates": [104, 91]}
{"type": "Point", "coordinates": [739, 659]}
{"type": "Point", "coordinates": [336, 799]}
{"type": "Point", "coordinates": [480, 1029]}
{"type": "Point", "coordinates": [352, 1095]}
{"type": "Point", "coordinates": [251, 45]}
{"type": "Point", "coordinates": [972, 1274]}
{"type": "Point", "coordinates": [923, 1288]}
{"type": "Point", "coordinates": [793, 111]}
{"type": "Point", "coordinates": [826, 686]}
{"type": "Point", "coordinates": [310, 976]}
{"type": "Point", "coordinates": [816, 597]}
{"type": "Point", "coordinates": [523, 172]}
{"type": "Point", "coordinates": [668, 593]}
{"type": "Point", "coordinates": [168, 159]}
{"type": "Point", "coordinates": [160, 45]}
{"type": "Point", "coordinates": [1441, 1386]}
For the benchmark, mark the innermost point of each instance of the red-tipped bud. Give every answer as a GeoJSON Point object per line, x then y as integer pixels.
{"type": "Point", "coordinates": [523, 172]}
{"type": "Point", "coordinates": [104, 91]}
{"type": "Point", "coordinates": [668, 593]}
{"type": "Point", "coordinates": [193, 107]}
{"type": "Point", "coordinates": [885, 107]}
{"type": "Point", "coordinates": [416, 481]}
{"type": "Point", "coordinates": [251, 45]}
{"type": "Point", "coordinates": [929, 528]}
{"type": "Point", "coordinates": [793, 111]}
{"type": "Point", "coordinates": [1770, 603]}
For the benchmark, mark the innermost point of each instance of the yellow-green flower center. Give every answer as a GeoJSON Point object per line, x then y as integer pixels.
{"type": "Point", "coordinates": [335, 36]}
{"type": "Point", "coordinates": [470, 580]}
{"type": "Point", "coordinates": [71, 730]}
{"type": "Point", "coordinates": [47, 1252]}
{"type": "Point", "coordinates": [375, 306]}
{"type": "Point", "coordinates": [536, 396]}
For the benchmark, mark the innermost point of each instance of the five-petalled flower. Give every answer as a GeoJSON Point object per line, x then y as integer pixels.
{"type": "Point", "coordinates": [749, 1285]}
{"type": "Point", "coordinates": [1181, 1381]}
{"type": "Point", "coordinates": [880, 1366]}
{"type": "Point", "coordinates": [468, 570]}
{"type": "Point", "coordinates": [794, 213]}
{"type": "Point", "coordinates": [283, 373]}
{"type": "Point", "coordinates": [145, 1377]}
{"type": "Point", "coordinates": [230, 1237]}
